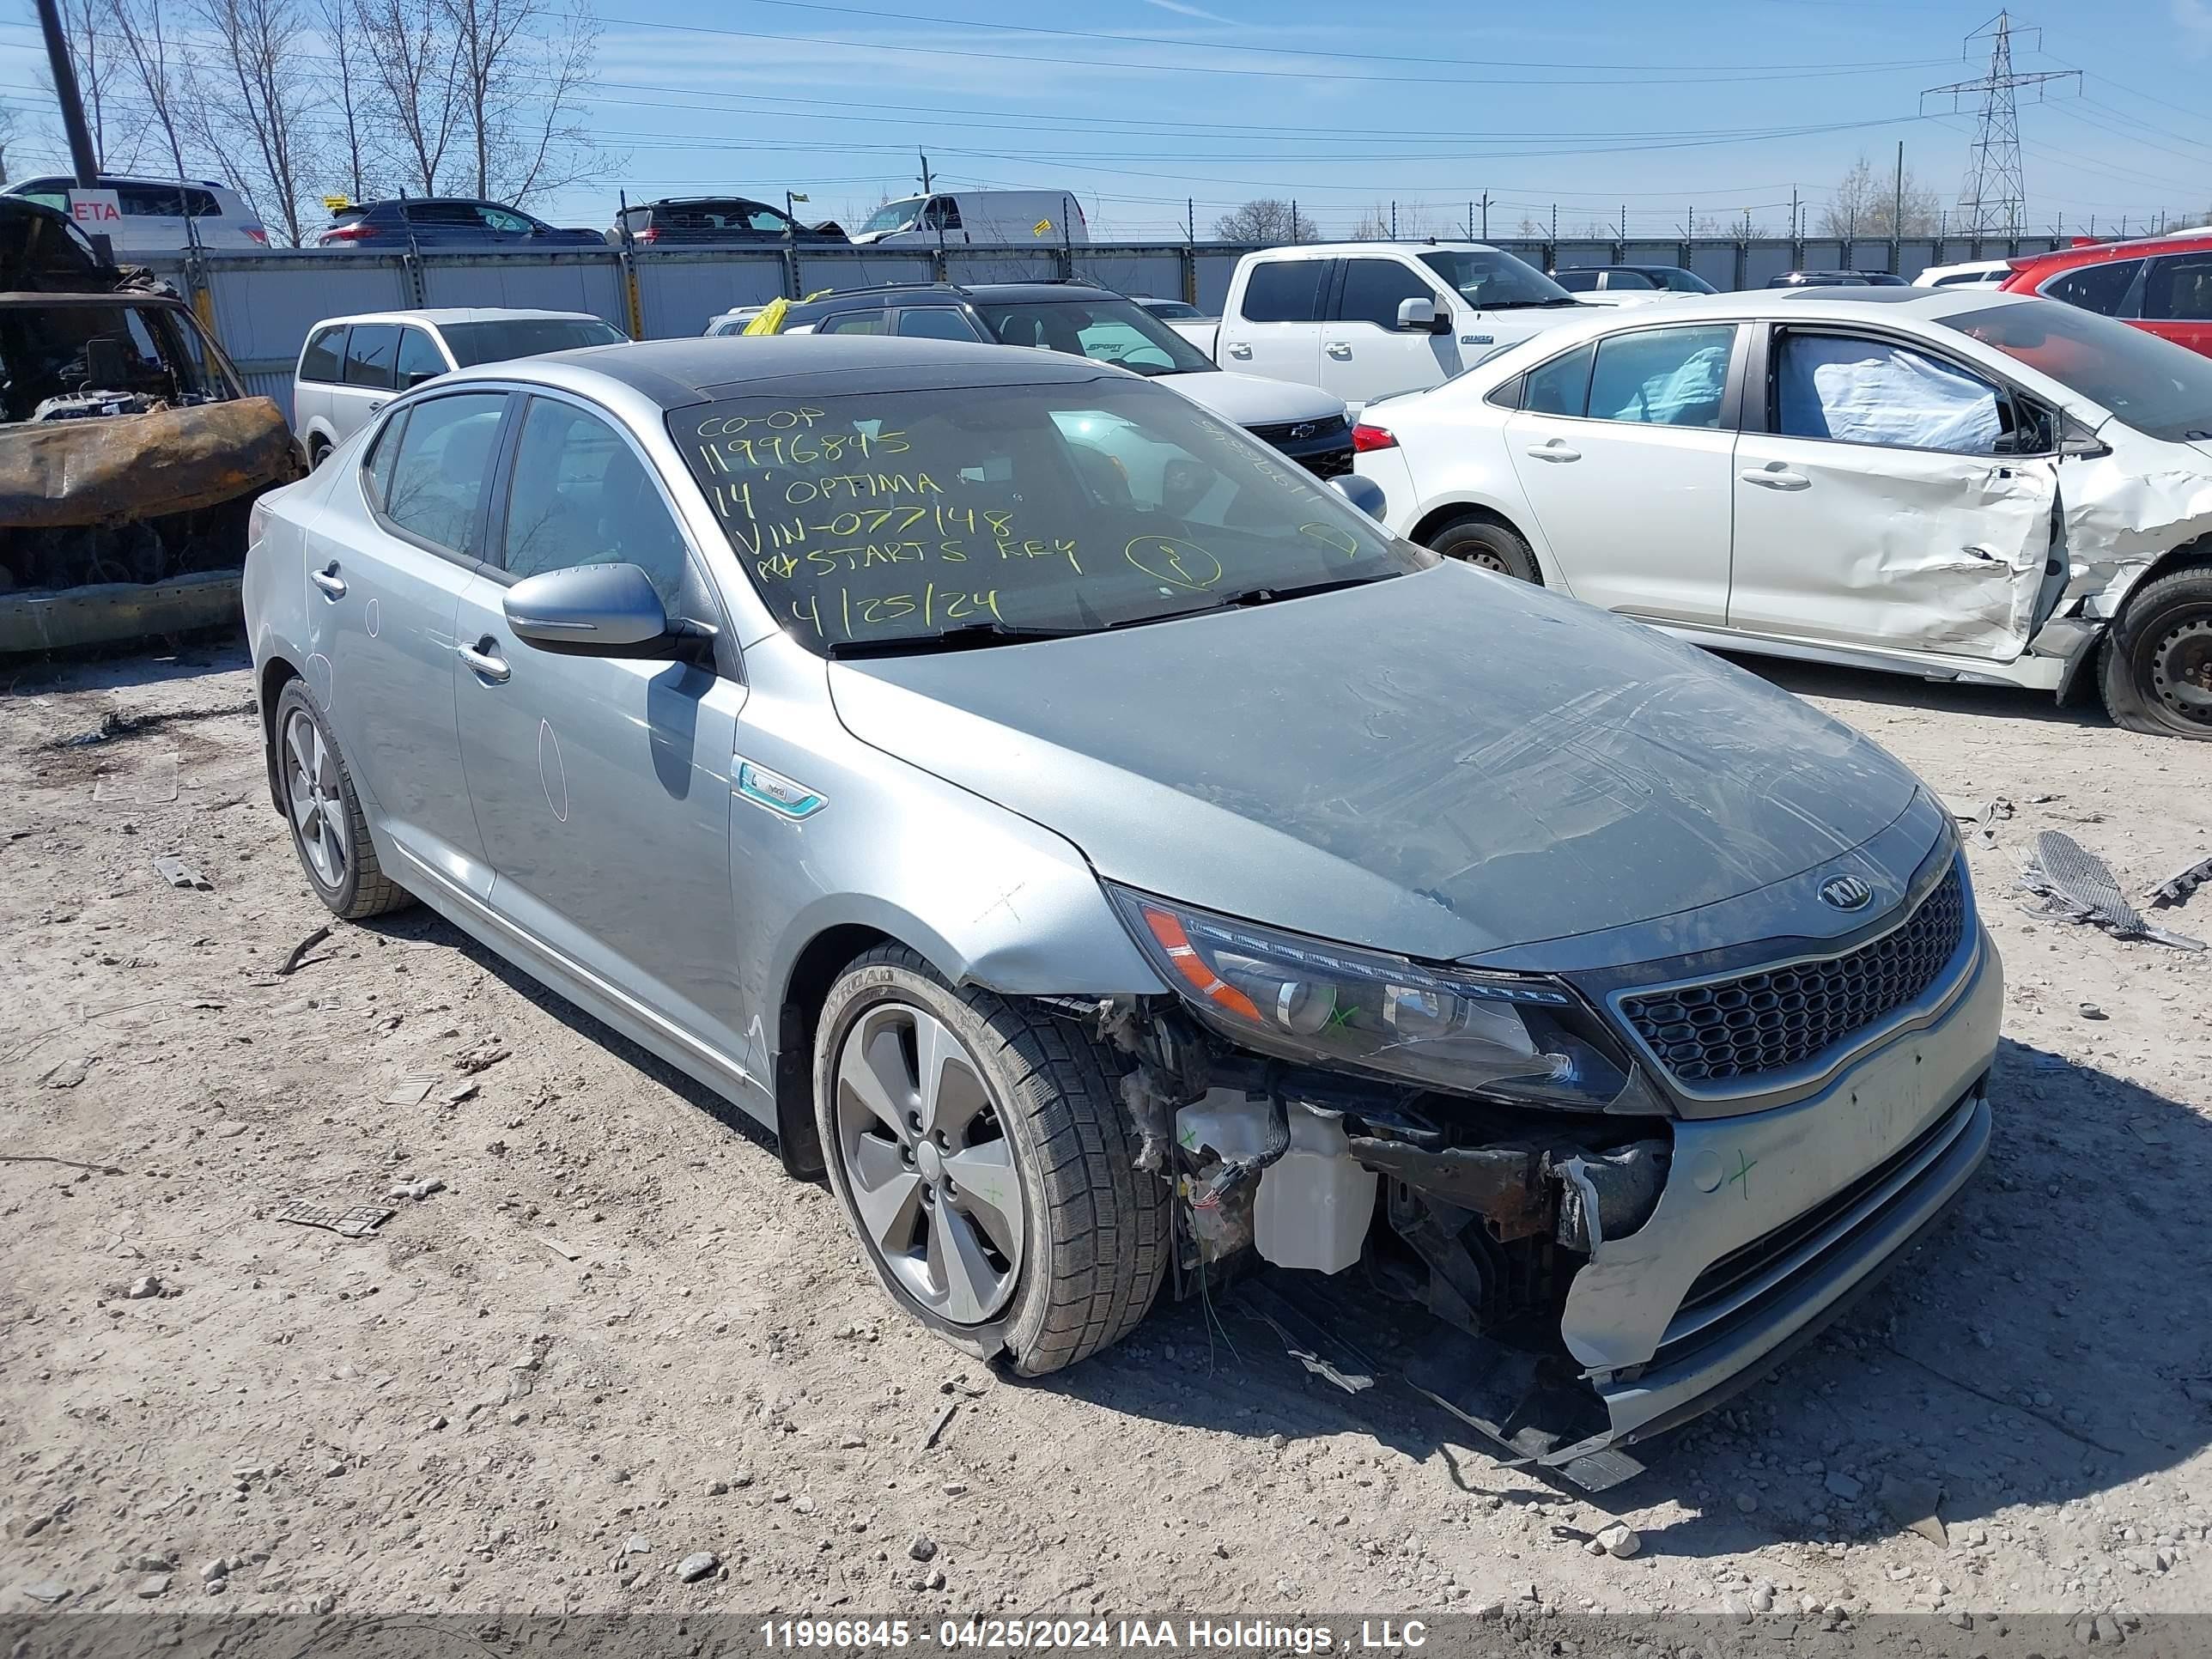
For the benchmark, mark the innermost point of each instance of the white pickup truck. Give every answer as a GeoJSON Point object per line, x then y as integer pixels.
{"type": "Point", "coordinates": [1362, 319]}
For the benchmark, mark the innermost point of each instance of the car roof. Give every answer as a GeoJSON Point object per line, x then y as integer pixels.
{"type": "Point", "coordinates": [2190, 241]}
{"type": "Point", "coordinates": [945, 294]}
{"type": "Point", "coordinates": [674, 373]}
{"type": "Point", "coordinates": [438, 317]}
{"type": "Point", "coordinates": [107, 179]}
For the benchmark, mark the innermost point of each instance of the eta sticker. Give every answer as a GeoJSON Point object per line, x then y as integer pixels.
{"type": "Point", "coordinates": [95, 209]}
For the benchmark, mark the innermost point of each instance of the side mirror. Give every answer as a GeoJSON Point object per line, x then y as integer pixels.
{"type": "Point", "coordinates": [1418, 316]}
{"type": "Point", "coordinates": [1364, 493]}
{"type": "Point", "coordinates": [591, 610]}
{"type": "Point", "coordinates": [418, 377]}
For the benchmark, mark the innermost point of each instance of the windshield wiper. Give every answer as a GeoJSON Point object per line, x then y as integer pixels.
{"type": "Point", "coordinates": [1245, 599]}
{"type": "Point", "coordinates": [967, 637]}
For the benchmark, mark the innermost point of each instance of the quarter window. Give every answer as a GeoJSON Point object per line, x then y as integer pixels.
{"type": "Point", "coordinates": [1373, 288]}
{"type": "Point", "coordinates": [1861, 391]}
{"type": "Point", "coordinates": [1662, 376]}
{"type": "Point", "coordinates": [1284, 291]}
{"type": "Point", "coordinates": [581, 495]}
{"type": "Point", "coordinates": [368, 354]}
{"type": "Point", "coordinates": [2101, 288]}
{"type": "Point", "coordinates": [319, 362]}
{"type": "Point", "coordinates": [434, 483]}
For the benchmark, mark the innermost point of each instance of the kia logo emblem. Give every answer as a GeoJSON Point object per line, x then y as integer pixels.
{"type": "Point", "coordinates": [1846, 893]}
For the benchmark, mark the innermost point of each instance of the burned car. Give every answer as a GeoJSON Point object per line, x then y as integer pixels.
{"type": "Point", "coordinates": [1113, 859]}
{"type": "Point", "coordinates": [130, 454]}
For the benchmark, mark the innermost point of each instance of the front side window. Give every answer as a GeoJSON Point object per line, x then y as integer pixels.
{"type": "Point", "coordinates": [525, 337]}
{"type": "Point", "coordinates": [942, 213]}
{"type": "Point", "coordinates": [895, 215]}
{"type": "Point", "coordinates": [2101, 288]}
{"type": "Point", "coordinates": [934, 323]}
{"type": "Point", "coordinates": [581, 495]}
{"type": "Point", "coordinates": [319, 362]}
{"type": "Point", "coordinates": [151, 201]}
{"type": "Point", "coordinates": [1860, 391]}
{"type": "Point", "coordinates": [2179, 289]}
{"type": "Point", "coordinates": [1373, 288]}
{"type": "Point", "coordinates": [1662, 376]}
{"type": "Point", "coordinates": [419, 360]}
{"type": "Point", "coordinates": [1492, 281]}
{"type": "Point", "coordinates": [506, 224]}
{"type": "Point", "coordinates": [890, 520]}
{"type": "Point", "coordinates": [434, 484]}
{"type": "Point", "coordinates": [2157, 387]}
{"type": "Point", "coordinates": [1106, 330]}
{"type": "Point", "coordinates": [1284, 291]}
{"type": "Point", "coordinates": [1560, 387]}
{"type": "Point", "coordinates": [370, 350]}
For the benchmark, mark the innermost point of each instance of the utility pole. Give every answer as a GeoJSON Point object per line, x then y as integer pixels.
{"type": "Point", "coordinates": [925, 170]}
{"type": "Point", "coordinates": [1897, 217]}
{"type": "Point", "coordinates": [1994, 198]}
{"type": "Point", "coordinates": [82, 160]}
{"type": "Point", "coordinates": [1486, 215]}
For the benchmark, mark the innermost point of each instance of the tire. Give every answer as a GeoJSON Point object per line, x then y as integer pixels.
{"type": "Point", "coordinates": [1030, 1109]}
{"type": "Point", "coordinates": [2156, 673]}
{"type": "Point", "coordinates": [1489, 544]}
{"type": "Point", "coordinates": [329, 833]}
{"type": "Point", "coordinates": [318, 453]}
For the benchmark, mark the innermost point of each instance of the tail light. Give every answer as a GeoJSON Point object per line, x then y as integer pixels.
{"type": "Point", "coordinates": [347, 234]}
{"type": "Point", "coordinates": [650, 234]}
{"type": "Point", "coordinates": [1367, 439]}
{"type": "Point", "coordinates": [255, 233]}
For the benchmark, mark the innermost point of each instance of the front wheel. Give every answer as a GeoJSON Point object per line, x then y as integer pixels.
{"type": "Point", "coordinates": [2157, 669]}
{"type": "Point", "coordinates": [984, 1156]}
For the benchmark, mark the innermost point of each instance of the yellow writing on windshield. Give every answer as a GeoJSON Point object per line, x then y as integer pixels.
{"type": "Point", "coordinates": [852, 614]}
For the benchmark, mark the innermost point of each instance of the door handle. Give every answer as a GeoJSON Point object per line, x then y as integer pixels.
{"type": "Point", "coordinates": [484, 659]}
{"type": "Point", "coordinates": [1240, 351]}
{"type": "Point", "coordinates": [1775, 476]}
{"type": "Point", "coordinates": [1339, 347]}
{"type": "Point", "coordinates": [1557, 450]}
{"type": "Point", "coordinates": [376, 404]}
{"type": "Point", "coordinates": [329, 580]}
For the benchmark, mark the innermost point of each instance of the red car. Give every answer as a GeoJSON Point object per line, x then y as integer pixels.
{"type": "Point", "coordinates": [2161, 284]}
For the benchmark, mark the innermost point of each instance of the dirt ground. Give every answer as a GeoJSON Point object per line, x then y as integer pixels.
{"type": "Point", "coordinates": [616, 1336]}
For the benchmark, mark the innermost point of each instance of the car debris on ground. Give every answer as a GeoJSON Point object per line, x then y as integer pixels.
{"type": "Point", "coordinates": [2071, 883]}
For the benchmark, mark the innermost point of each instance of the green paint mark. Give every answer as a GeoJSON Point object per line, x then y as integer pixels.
{"type": "Point", "coordinates": [1742, 1172]}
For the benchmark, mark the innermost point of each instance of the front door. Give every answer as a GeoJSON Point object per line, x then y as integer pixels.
{"type": "Point", "coordinates": [1274, 328]}
{"type": "Point", "coordinates": [603, 785]}
{"type": "Point", "coordinates": [1895, 498]}
{"type": "Point", "coordinates": [385, 568]}
{"type": "Point", "coordinates": [1624, 448]}
{"type": "Point", "coordinates": [1365, 354]}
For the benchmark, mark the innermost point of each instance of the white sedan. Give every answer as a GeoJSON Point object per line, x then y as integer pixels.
{"type": "Point", "coordinates": [1948, 483]}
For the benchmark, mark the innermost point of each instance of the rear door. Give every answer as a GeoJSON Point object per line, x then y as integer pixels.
{"type": "Point", "coordinates": [1889, 495]}
{"type": "Point", "coordinates": [387, 567]}
{"type": "Point", "coordinates": [1623, 447]}
{"type": "Point", "coordinates": [603, 784]}
{"type": "Point", "coordinates": [366, 377]}
{"type": "Point", "coordinates": [1365, 354]}
{"type": "Point", "coordinates": [154, 217]}
{"type": "Point", "coordinates": [2177, 300]}
{"type": "Point", "coordinates": [1273, 328]}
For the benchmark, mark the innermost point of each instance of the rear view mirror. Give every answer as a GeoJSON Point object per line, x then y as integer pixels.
{"type": "Point", "coordinates": [1417, 316]}
{"type": "Point", "coordinates": [590, 610]}
{"type": "Point", "coordinates": [1364, 493]}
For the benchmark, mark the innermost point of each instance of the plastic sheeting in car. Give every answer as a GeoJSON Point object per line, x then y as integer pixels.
{"type": "Point", "coordinates": [1865, 392]}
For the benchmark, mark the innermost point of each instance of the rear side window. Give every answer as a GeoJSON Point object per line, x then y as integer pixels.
{"type": "Point", "coordinates": [1662, 376]}
{"type": "Point", "coordinates": [1577, 281]}
{"type": "Point", "coordinates": [1284, 291]}
{"type": "Point", "coordinates": [1628, 279]}
{"type": "Point", "coordinates": [934, 323]}
{"type": "Point", "coordinates": [150, 201]}
{"type": "Point", "coordinates": [2101, 288]}
{"type": "Point", "coordinates": [1560, 387]}
{"type": "Point", "coordinates": [370, 352]}
{"type": "Point", "coordinates": [319, 362]}
{"type": "Point", "coordinates": [1373, 288]}
{"type": "Point", "coordinates": [2179, 288]}
{"type": "Point", "coordinates": [434, 483]}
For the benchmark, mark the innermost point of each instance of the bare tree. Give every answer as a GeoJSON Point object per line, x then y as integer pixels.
{"type": "Point", "coordinates": [1864, 203]}
{"type": "Point", "coordinates": [157, 72]}
{"type": "Point", "coordinates": [344, 88]}
{"type": "Point", "coordinates": [10, 125]}
{"type": "Point", "coordinates": [419, 75]}
{"type": "Point", "coordinates": [523, 66]}
{"type": "Point", "coordinates": [115, 132]}
{"type": "Point", "coordinates": [1266, 222]}
{"type": "Point", "coordinates": [1406, 220]}
{"type": "Point", "coordinates": [258, 101]}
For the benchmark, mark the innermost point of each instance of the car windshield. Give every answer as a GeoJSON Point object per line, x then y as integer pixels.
{"type": "Point", "coordinates": [1491, 281]}
{"type": "Point", "coordinates": [525, 337]}
{"type": "Point", "coordinates": [2157, 387]}
{"type": "Point", "coordinates": [1106, 330]}
{"type": "Point", "coordinates": [895, 216]}
{"type": "Point", "coordinates": [60, 350]}
{"type": "Point", "coordinates": [908, 522]}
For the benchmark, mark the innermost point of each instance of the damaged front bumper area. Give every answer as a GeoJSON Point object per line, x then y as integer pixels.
{"type": "Point", "coordinates": [1598, 1276]}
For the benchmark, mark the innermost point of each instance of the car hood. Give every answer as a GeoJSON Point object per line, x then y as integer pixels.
{"type": "Point", "coordinates": [1253, 400]}
{"type": "Point", "coordinates": [1441, 764]}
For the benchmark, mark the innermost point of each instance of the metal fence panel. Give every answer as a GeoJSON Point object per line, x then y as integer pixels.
{"type": "Point", "coordinates": [580, 281]}
{"type": "Point", "coordinates": [1715, 262]}
{"type": "Point", "coordinates": [1002, 264]}
{"type": "Point", "coordinates": [1214, 270]}
{"type": "Point", "coordinates": [677, 292]}
{"type": "Point", "coordinates": [1157, 275]}
{"type": "Point", "coordinates": [1762, 261]}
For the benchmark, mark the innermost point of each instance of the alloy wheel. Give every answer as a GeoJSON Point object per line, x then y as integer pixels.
{"type": "Point", "coordinates": [926, 1157]}
{"type": "Point", "coordinates": [317, 806]}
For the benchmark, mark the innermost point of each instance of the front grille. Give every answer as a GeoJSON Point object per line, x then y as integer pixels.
{"type": "Point", "coordinates": [1335, 463]}
{"type": "Point", "coordinates": [1279, 433]}
{"type": "Point", "coordinates": [1766, 1022]}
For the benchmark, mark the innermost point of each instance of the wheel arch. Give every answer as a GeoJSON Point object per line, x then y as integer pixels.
{"type": "Point", "coordinates": [813, 972]}
{"type": "Point", "coordinates": [270, 678]}
{"type": "Point", "coordinates": [1436, 517]}
{"type": "Point", "coordinates": [2188, 555]}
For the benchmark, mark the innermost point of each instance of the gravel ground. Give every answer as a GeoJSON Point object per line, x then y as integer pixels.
{"type": "Point", "coordinates": [610, 1336]}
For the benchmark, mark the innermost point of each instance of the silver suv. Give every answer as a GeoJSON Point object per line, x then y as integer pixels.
{"type": "Point", "coordinates": [1111, 856]}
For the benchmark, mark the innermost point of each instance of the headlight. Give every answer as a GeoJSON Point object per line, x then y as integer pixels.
{"type": "Point", "coordinates": [1520, 1035]}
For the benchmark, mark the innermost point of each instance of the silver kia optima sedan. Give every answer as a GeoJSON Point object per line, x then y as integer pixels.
{"type": "Point", "coordinates": [1111, 858]}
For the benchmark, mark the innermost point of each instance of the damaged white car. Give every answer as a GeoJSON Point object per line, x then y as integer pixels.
{"type": "Point", "coordinates": [1942, 482]}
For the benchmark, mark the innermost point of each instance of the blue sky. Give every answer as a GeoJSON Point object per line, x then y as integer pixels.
{"type": "Point", "coordinates": [1137, 106]}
